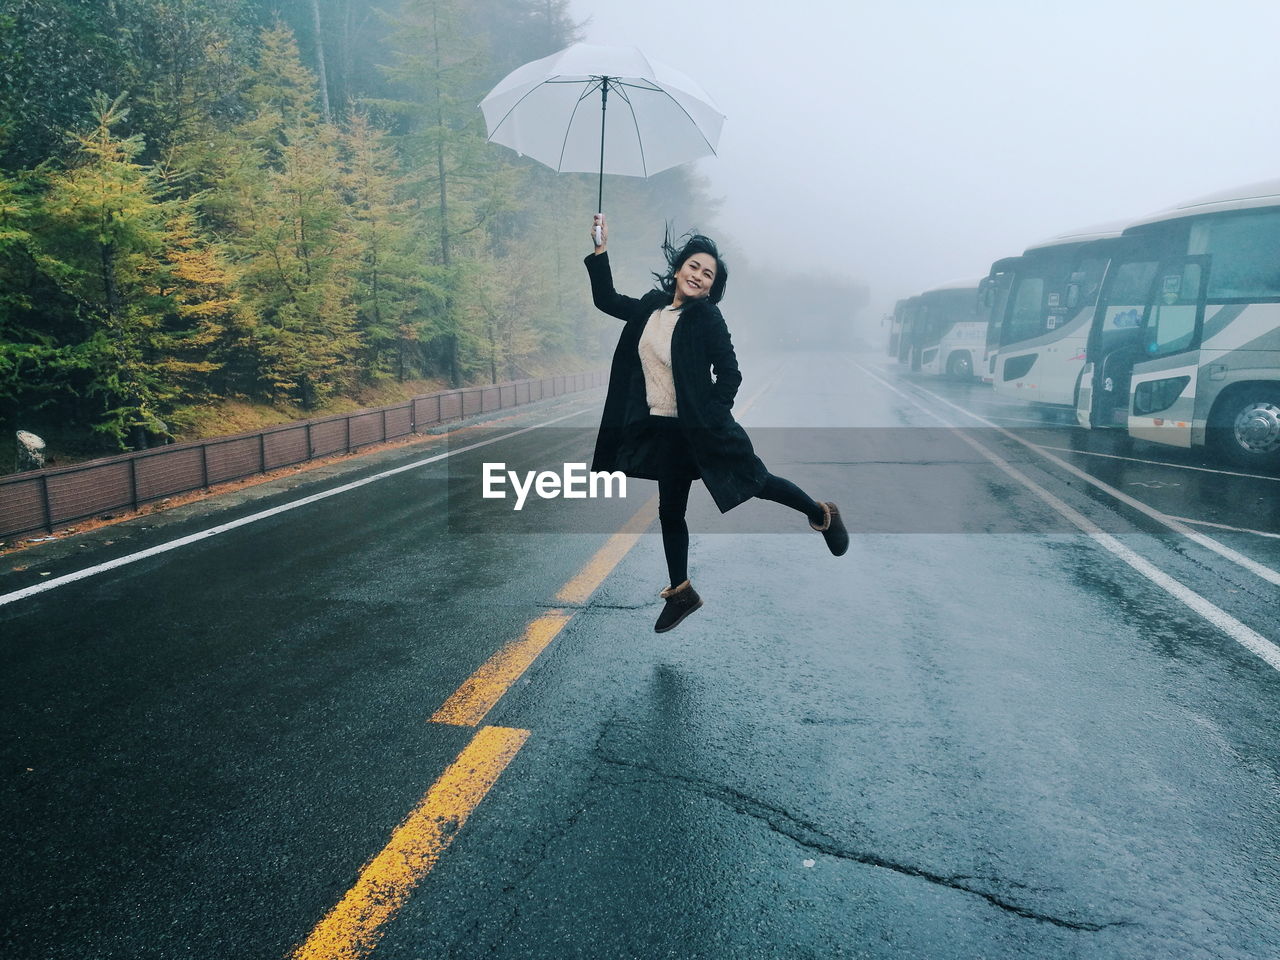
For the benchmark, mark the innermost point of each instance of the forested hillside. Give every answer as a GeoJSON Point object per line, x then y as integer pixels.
{"type": "Point", "coordinates": [284, 203]}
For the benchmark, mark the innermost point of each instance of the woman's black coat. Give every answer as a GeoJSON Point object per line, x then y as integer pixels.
{"type": "Point", "coordinates": [700, 343]}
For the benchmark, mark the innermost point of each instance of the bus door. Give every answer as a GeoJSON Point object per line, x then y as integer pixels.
{"type": "Point", "coordinates": [1115, 343]}
{"type": "Point", "coordinates": [1162, 392]}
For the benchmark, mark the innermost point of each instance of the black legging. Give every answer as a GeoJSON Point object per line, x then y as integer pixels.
{"type": "Point", "coordinates": [673, 500]}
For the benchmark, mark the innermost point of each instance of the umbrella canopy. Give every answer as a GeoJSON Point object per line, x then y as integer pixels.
{"type": "Point", "coordinates": [554, 110]}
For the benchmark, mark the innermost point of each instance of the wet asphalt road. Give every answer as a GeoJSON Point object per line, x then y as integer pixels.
{"type": "Point", "coordinates": [979, 734]}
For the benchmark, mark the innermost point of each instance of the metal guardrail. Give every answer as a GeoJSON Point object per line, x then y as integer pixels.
{"type": "Point", "coordinates": [43, 500]}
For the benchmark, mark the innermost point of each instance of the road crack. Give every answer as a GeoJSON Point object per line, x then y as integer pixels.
{"type": "Point", "coordinates": [534, 857]}
{"type": "Point", "coordinates": [812, 837]}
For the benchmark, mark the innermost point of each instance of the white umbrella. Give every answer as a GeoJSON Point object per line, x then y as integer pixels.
{"type": "Point", "coordinates": [554, 110]}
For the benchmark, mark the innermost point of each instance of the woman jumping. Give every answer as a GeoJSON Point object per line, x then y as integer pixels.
{"type": "Point", "coordinates": [667, 419]}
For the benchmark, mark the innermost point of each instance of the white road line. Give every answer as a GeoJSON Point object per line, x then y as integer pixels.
{"type": "Point", "coordinates": [999, 406]}
{"type": "Point", "coordinates": [1258, 569]}
{"type": "Point", "coordinates": [1162, 463]}
{"type": "Point", "coordinates": [1223, 526]}
{"type": "Point", "coordinates": [1247, 637]}
{"type": "Point", "coordinates": [253, 518]}
{"type": "Point", "coordinates": [1026, 420]}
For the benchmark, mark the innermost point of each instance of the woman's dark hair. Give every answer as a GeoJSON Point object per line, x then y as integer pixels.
{"type": "Point", "coordinates": [676, 256]}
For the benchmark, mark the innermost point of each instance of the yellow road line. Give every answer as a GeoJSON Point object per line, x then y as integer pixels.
{"type": "Point", "coordinates": [352, 928]}
{"type": "Point", "coordinates": [484, 688]}
{"type": "Point", "coordinates": [585, 582]}
{"type": "Point", "coordinates": [477, 695]}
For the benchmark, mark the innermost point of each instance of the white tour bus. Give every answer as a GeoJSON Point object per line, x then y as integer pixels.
{"type": "Point", "coordinates": [1041, 336]}
{"type": "Point", "coordinates": [949, 331]}
{"type": "Point", "coordinates": [1185, 343]}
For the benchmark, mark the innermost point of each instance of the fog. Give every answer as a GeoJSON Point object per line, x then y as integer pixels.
{"type": "Point", "coordinates": [906, 144]}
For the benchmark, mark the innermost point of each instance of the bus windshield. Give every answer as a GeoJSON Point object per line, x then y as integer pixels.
{"type": "Point", "coordinates": [1048, 293]}
{"type": "Point", "coordinates": [1026, 310]}
{"type": "Point", "coordinates": [994, 300]}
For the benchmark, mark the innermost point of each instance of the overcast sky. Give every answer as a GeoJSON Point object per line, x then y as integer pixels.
{"type": "Point", "coordinates": [912, 142]}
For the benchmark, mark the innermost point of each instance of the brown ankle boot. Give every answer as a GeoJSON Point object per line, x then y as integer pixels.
{"type": "Point", "coordinates": [681, 601]}
{"type": "Point", "coordinates": [832, 529]}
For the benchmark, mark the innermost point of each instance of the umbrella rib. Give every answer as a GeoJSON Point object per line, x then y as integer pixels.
{"type": "Point", "coordinates": [691, 120]}
{"type": "Point", "coordinates": [528, 94]}
{"type": "Point", "coordinates": [636, 123]}
{"type": "Point", "coordinates": [657, 88]}
{"type": "Point", "coordinates": [569, 126]}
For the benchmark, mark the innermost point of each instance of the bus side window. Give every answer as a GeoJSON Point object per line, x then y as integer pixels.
{"type": "Point", "coordinates": [1246, 255]}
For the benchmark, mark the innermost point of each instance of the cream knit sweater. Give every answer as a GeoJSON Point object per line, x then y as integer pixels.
{"type": "Point", "coordinates": [655, 360]}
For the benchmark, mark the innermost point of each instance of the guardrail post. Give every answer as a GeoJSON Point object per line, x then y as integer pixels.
{"type": "Point", "coordinates": [133, 482]}
{"type": "Point", "coordinates": [48, 509]}
{"type": "Point", "coordinates": [262, 453]}
{"type": "Point", "coordinates": [204, 464]}
{"type": "Point", "coordinates": [413, 416]}
{"type": "Point", "coordinates": [348, 424]}
{"type": "Point", "coordinates": [311, 450]}
{"type": "Point", "coordinates": [384, 424]}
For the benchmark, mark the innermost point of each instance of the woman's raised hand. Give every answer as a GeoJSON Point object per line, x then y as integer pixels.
{"type": "Point", "coordinates": [601, 240]}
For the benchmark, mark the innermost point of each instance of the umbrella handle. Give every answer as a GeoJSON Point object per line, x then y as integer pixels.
{"type": "Point", "coordinates": [599, 235]}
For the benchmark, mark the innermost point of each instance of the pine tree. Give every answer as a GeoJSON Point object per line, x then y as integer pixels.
{"type": "Point", "coordinates": [37, 343]}
{"type": "Point", "coordinates": [102, 232]}
{"type": "Point", "coordinates": [395, 292]}
{"type": "Point", "coordinates": [442, 70]}
{"type": "Point", "coordinates": [207, 329]}
{"type": "Point", "coordinates": [504, 296]}
{"type": "Point", "coordinates": [281, 95]}
{"type": "Point", "coordinates": [293, 240]}
{"type": "Point", "coordinates": [181, 65]}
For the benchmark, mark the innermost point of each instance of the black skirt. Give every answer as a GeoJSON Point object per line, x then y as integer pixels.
{"type": "Point", "coordinates": [661, 451]}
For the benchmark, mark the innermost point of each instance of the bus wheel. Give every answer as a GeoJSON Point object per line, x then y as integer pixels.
{"type": "Point", "coordinates": [1245, 427]}
{"type": "Point", "coordinates": [960, 365]}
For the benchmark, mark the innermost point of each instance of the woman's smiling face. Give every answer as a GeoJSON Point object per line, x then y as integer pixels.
{"type": "Point", "coordinates": [695, 276]}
